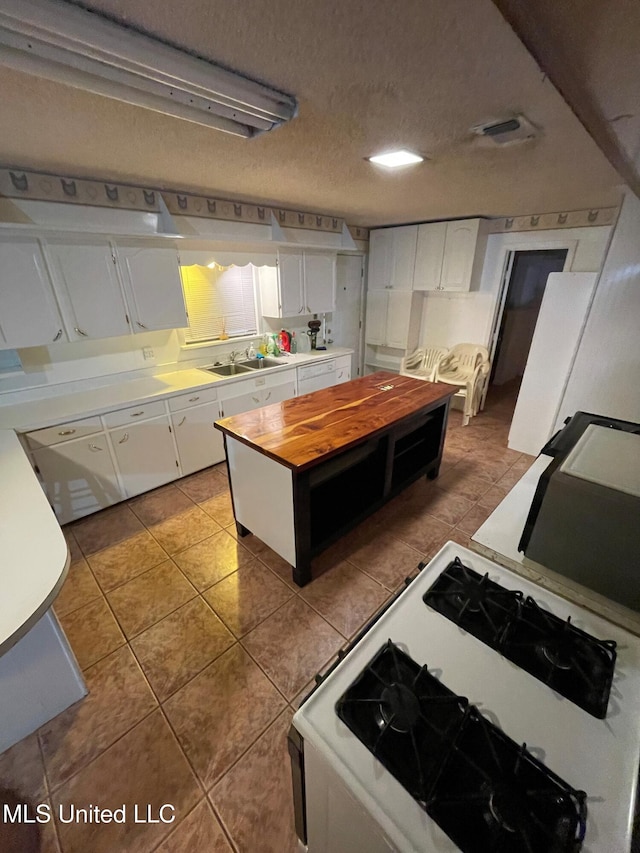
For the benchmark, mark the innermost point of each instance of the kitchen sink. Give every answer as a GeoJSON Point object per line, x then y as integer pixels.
{"type": "Point", "coordinates": [260, 363]}
{"type": "Point", "coordinates": [228, 369]}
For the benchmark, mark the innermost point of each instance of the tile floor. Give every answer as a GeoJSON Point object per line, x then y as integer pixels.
{"type": "Point", "coordinates": [197, 649]}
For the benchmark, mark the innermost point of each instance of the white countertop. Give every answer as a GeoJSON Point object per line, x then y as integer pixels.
{"type": "Point", "coordinates": [61, 405]}
{"type": "Point", "coordinates": [498, 540]}
{"type": "Point", "coordinates": [34, 557]}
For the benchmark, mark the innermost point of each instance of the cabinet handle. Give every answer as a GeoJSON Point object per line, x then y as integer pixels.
{"type": "Point", "coordinates": [137, 414]}
{"type": "Point", "coordinates": [340, 375]}
{"type": "Point", "coordinates": [309, 311]}
{"type": "Point", "coordinates": [124, 438]}
{"type": "Point", "coordinates": [80, 332]}
{"type": "Point", "coordinates": [94, 447]}
{"type": "Point", "coordinates": [193, 399]}
{"type": "Point", "coordinates": [184, 417]}
{"type": "Point", "coordinates": [66, 432]}
{"type": "Point", "coordinates": [58, 336]}
{"type": "Point", "coordinates": [301, 310]}
{"type": "Point", "coordinates": [142, 325]}
{"type": "Point", "coordinates": [267, 397]}
{"type": "Point", "coordinates": [256, 399]}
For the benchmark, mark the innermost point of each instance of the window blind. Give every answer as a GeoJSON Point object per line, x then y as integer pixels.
{"type": "Point", "coordinates": [219, 300]}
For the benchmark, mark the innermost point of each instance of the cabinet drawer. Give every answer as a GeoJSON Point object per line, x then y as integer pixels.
{"type": "Point", "coordinates": [63, 432]}
{"type": "Point", "coordinates": [310, 371]}
{"type": "Point", "coordinates": [134, 413]}
{"type": "Point", "coordinates": [194, 398]}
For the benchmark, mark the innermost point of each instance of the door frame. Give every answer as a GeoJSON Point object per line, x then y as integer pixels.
{"type": "Point", "coordinates": [507, 258]}
{"type": "Point", "coordinates": [358, 363]}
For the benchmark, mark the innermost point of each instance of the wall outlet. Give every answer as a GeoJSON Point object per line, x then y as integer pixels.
{"type": "Point", "coordinates": [148, 352]}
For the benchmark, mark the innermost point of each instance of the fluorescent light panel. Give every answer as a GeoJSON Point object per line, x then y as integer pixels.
{"type": "Point", "coordinates": [70, 45]}
{"type": "Point", "coordinates": [393, 159]}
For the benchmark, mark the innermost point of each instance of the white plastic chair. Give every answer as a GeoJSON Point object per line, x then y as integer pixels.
{"type": "Point", "coordinates": [465, 365]}
{"type": "Point", "coordinates": [422, 363]}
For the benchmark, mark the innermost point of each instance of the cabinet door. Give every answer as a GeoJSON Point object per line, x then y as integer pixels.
{"type": "Point", "coordinates": [380, 258]}
{"type": "Point", "coordinates": [429, 256]}
{"type": "Point", "coordinates": [290, 272]}
{"type": "Point", "coordinates": [78, 477]}
{"type": "Point", "coordinates": [279, 393]}
{"type": "Point", "coordinates": [376, 319]}
{"type": "Point", "coordinates": [241, 403]}
{"type": "Point", "coordinates": [459, 252]}
{"type": "Point", "coordinates": [398, 318]}
{"type": "Point", "coordinates": [90, 289]}
{"type": "Point", "coordinates": [343, 369]}
{"type": "Point", "coordinates": [404, 257]}
{"type": "Point", "coordinates": [199, 443]}
{"type": "Point", "coordinates": [319, 283]}
{"type": "Point", "coordinates": [145, 455]}
{"type": "Point", "coordinates": [154, 289]}
{"type": "Point", "coordinates": [29, 314]}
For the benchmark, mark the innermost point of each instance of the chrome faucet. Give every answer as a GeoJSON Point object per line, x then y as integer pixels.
{"type": "Point", "coordinates": [233, 355]}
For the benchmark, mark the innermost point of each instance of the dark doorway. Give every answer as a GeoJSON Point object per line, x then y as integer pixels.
{"type": "Point", "coordinates": [525, 290]}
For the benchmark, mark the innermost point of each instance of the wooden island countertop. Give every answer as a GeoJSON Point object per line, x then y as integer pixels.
{"type": "Point", "coordinates": [304, 431]}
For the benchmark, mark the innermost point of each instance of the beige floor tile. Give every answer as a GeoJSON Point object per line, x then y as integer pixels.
{"type": "Point", "coordinates": [461, 483]}
{"type": "Point", "coordinates": [72, 544]}
{"type": "Point", "coordinates": [220, 712]}
{"type": "Point", "coordinates": [145, 766]}
{"type": "Point", "coordinates": [492, 497]}
{"type": "Point", "coordinates": [516, 472]}
{"type": "Point", "coordinates": [185, 529]}
{"type": "Point", "coordinates": [199, 832]}
{"type": "Point", "coordinates": [80, 587]}
{"type": "Point", "coordinates": [92, 632]}
{"type": "Point", "coordinates": [254, 798]}
{"type": "Point", "coordinates": [22, 770]}
{"type": "Point", "coordinates": [119, 697]}
{"type": "Point", "coordinates": [474, 519]}
{"type": "Point", "coordinates": [120, 563]}
{"type": "Point", "coordinates": [246, 597]}
{"type": "Point", "coordinates": [478, 465]}
{"type": "Point", "coordinates": [49, 835]}
{"type": "Point", "coordinates": [160, 504]}
{"type": "Point", "coordinates": [420, 531]}
{"type": "Point", "coordinates": [447, 506]}
{"type": "Point", "coordinates": [214, 558]}
{"type": "Point", "coordinates": [292, 645]}
{"type": "Point", "coordinates": [149, 597]}
{"type": "Point", "coordinates": [297, 699]}
{"type": "Point", "coordinates": [172, 651]}
{"type": "Point", "coordinates": [387, 560]}
{"type": "Point", "coordinates": [220, 509]}
{"type": "Point", "coordinates": [345, 597]}
{"type": "Point", "coordinates": [204, 485]}
{"type": "Point", "coordinates": [105, 528]}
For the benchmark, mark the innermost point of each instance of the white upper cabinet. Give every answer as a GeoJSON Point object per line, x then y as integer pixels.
{"type": "Point", "coordinates": [376, 319]}
{"type": "Point", "coordinates": [392, 254]}
{"type": "Point", "coordinates": [304, 283]}
{"type": "Point", "coordinates": [393, 318]}
{"type": "Point", "coordinates": [450, 255]}
{"type": "Point", "coordinates": [89, 290]}
{"type": "Point", "coordinates": [151, 279]}
{"type": "Point", "coordinates": [29, 314]}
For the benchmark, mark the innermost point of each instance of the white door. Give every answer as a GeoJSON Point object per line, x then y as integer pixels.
{"type": "Point", "coordinates": [459, 252]}
{"type": "Point", "coordinates": [404, 256]}
{"type": "Point", "coordinates": [398, 318]}
{"type": "Point", "coordinates": [380, 258]}
{"type": "Point", "coordinates": [145, 454]}
{"type": "Point", "coordinates": [90, 289]}
{"type": "Point", "coordinates": [153, 286]}
{"type": "Point", "coordinates": [346, 322]}
{"type": "Point", "coordinates": [429, 256]}
{"type": "Point", "coordinates": [290, 272]}
{"type": "Point", "coordinates": [241, 403]}
{"type": "Point", "coordinates": [199, 443]}
{"type": "Point", "coordinates": [376, 322]}
{"type": "Point", "coordinates": [29, 314]}
{"type": "Point", "coordinates": [78, 477]}
{"type": "Point", "coordinates": [319, 282]}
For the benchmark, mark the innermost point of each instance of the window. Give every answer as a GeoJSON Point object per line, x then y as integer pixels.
{"type": "Point", "coordinates": [220, 301]}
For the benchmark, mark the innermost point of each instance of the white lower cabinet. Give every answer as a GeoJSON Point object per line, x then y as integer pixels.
{"type": "Point", "coordinates": [343, 369]}
{"type": "Point", "coordinates": [236, 398]}
{"type": "Point", "coordinates": [78, 476]}
{"type": "Point", "coordinates": [199, 443]}
{"type": "Point", "coordinates": [145, 454]}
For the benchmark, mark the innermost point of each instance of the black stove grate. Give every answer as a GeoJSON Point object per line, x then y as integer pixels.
{"type": "Point", "coordinates": [484, 791]}
{"type": "Point", "coordinates": [573, 663]}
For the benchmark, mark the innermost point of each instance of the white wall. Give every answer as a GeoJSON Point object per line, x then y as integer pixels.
{"type": "Point", "coordinates": [449, 319]}
{"type": "Point", "coordinates": [605, 377]}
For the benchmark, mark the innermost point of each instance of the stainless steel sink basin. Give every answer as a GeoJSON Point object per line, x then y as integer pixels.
{"type": "Point", "coordinates": [259, 363]}
{"type": "Point", "coordinates": [228, 369]}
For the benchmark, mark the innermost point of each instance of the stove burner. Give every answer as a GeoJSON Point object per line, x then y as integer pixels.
{"type": "Point", "coordinates": [505, 808]}
{"type": "Point", "coordinates": [399, 708]}
{"type": "Point", "coordinates": [557, 653]}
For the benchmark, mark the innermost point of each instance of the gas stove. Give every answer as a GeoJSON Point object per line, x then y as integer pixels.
{"type": "Point", "coordinates": [479, 712]}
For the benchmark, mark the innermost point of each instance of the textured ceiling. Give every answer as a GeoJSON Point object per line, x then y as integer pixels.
{"type": "Point", "coordinates": [368, 76]}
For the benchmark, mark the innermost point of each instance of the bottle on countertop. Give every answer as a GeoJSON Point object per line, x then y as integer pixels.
{"type": "Point", "coordinates": [284, 341]}
{"type": "Point", "coordinates": [251, 351]}
{"type": "Point", "coordinates": [294, 344]}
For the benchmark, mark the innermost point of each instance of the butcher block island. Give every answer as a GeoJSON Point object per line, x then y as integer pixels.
{"type": "Point", "coordinates": [305, 471]}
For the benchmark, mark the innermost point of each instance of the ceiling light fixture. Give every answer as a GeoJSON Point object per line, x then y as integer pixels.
{"type": "Point", "coordinates": [62, 42]}
{"type": "Point", "coordinates": [393, 159]}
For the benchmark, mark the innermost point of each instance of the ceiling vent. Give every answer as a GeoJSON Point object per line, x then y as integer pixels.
{"type": "Point", "coordinates": [506, 132]}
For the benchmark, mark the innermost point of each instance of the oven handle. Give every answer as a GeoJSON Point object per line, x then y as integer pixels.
{"type": "Point", "coordinates": [295, 744]}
